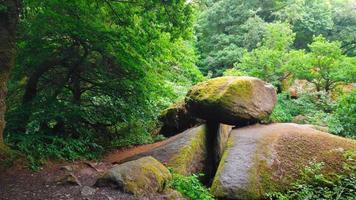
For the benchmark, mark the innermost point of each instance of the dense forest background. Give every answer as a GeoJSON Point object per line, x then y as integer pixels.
{"type": "Point", "coordinates": [94, 75]}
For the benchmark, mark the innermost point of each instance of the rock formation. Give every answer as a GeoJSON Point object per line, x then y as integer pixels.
{"type": "Point", "coordinates": [232, 100]}
{"type": "Point", "coordinates": [266, 158]}
{"type": "Point", "coordinates": [141, 177]}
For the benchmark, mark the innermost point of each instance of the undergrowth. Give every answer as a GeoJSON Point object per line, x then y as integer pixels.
{"type": "Point", "coordinates": [313, 185]}
{"type": "Point", "coordinates": [190, 187]}
{"type": "Point", "coordinates": [38, 148]}
{"type": "Point", "coordinates": [339, 115]}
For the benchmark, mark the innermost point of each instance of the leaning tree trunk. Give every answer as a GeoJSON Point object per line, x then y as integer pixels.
{"type": "Point", "coordinates": [9, 15]}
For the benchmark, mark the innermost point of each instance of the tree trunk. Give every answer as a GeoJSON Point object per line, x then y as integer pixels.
{"type": "Point", "coordinates": [32, 83]}
{"type": "Point", "coordinates": [76, 87]}
{"type": "Point", "coordinates": [9, 15]}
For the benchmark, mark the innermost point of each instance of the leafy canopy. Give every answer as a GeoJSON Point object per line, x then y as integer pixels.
{"type": "Point", "coordinates": [97, 72]}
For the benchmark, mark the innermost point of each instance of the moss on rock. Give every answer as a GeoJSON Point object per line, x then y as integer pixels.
{"type": "Point", "coordinates": [189, 152]}
{"type": "Point", "coordinates": [216, 188]}
{"type": "Point", "coordinates": [176, 119]}
{"type": "Point", "coordinates": [232, 100]}
{"type": "Point", "coordinates": [269, 158]}
{"type": "Point", "coordinates": [141, 177]}
{"type": "Point", "coordinates": [190, 157]}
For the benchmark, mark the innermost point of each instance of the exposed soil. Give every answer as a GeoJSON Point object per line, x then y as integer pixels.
{"type": "Point", "coordinates": [165, 150]}
{"type": "Point", "coordinates": [122, 154]}
{"type": "Point", "coordinates": [54, 181]}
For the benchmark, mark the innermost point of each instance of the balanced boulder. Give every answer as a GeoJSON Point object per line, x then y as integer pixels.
{"type": "Point", "coordinates": [142, 177]}
{"type": "Point", "coordinates": [269, 158]}
{"type": "Point", "coordinates": [232, 100]}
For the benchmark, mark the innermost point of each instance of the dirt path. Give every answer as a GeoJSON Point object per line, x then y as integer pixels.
{"type": "Point", "coordinates": [53, 182]}
{"type": "Point", "coordinates": [121, 154]}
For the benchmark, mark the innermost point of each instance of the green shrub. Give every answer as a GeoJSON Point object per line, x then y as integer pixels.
{"type": "Point", "coordinates": [131, 134]}
{"type": "Point", "coordinates": [319, 109]}
{"type": "Point", "coordinates": [38, 148]}
{"type": "Point", "coordinates": [118, 80]}
{"type": "Point", "coordinates": [287, 108]}
{"type": "Point", "coordinates": [280, 112]}
{"type": "Point", "coordinates": [313, 185]}
{"type": "Point", "coordinates": [344, 119]}
{"type": "Point", "coordinates": [190, 187]}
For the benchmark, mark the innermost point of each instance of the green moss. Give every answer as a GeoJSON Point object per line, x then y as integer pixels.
{"type": "Point", "coordinates": [293, 153]}
{"type": "Point", "coordinates": [215, 189]}
{"type": "Point", "coordinates": [141, 177]}
{"type": "Point", "coordinates": [173, 108]}
{"type": "Point", "coordinates": [210, 91]}
{"type": "Point", "coordinates": [261, 173]}
{"type": "Point", "coordinates": [241, 89]}
{"type": "Point", "coordinates": [150, 179]}
{"type": "Point", "coordinates": [280, 157]}
{"type": "Point", "coordinates": [4, 150]}
{"type": "Point", "coordinates": [222, 91]}
{"type": "Point", "coordinates": [182, 162]}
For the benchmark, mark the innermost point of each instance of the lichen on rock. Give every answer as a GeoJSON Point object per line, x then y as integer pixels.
{"type": "Point", "coordinates": [269, 158]}
{"type": "Point", "coordinates": [190, 158]}
{"type": "Point", "coordinates": [141, 177]}
{"type": "Point", "coordinates": [188, 153]}
{"type": "Point", "coordinates": [176, 119]}
{"type": "Point", "coordinates": [232, 100]}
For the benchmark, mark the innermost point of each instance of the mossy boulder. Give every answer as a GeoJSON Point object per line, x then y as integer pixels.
{"type": "Point", "coordinates": [191, 150]}
{"type": "Point", "coordinates": [232, 100]}
{"type": "Point", "coordinates": [269, 158]}
{"type": "Point", "coordinates": [142, 177]}
{"type": "Point", "coordinates": [176, 119]}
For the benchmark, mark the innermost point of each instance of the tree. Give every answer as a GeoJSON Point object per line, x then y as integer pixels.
{"type": "Point", "coordinates": [269, 61]}
{"type": "Point", "coordinates": [94, 71]}
{"type": "Point", "coordinates": [326, 65]}
{"type": "Point", "coordinates": [226, 28]}
{"type": "Point", "coordinates": [9, 13]}
{"type": "Point", "coordinates": [308, 18]}
{"type": "Point", "coordinates": [344, 30]}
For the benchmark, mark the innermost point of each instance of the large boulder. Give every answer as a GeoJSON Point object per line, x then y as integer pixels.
{"type": "Point", "coordinates": [176, 119]}
{"type": "Point", "coordinates": [232, 100]}
{"type": "Point", "coordinates": [143, 177]}
{"type": "Point", "coordinates": [268, 158]}
{"type": "Point", "coordinates": [191, 150]}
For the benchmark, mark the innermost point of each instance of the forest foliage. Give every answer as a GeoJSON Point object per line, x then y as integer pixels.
{"type": "Point", "coordinates": [283, 41]}
{"type": "Point", "coordinates": [93, 75]}
{"type": "Point", "coordinates": [229, 28]}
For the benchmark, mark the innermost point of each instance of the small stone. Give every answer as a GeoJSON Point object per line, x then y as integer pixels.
{"type": "Point", "coordinates": [69, 178]}
{"type": "Point", "coordinates": [87, 191]}
{"type": "Point", "coordinates": [67, 168]}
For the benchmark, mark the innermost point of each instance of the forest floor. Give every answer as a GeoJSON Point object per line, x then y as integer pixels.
{"type": "Point", "coordinates": [68, 180]}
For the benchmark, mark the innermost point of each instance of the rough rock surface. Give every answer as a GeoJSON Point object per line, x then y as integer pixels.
{"type": "Point", "coordinates": [232, 100]}
{"type": "Point", "coordinates": [176, 119]}
{"type": "Point", "coordinates": [299, 87]}
{"type": "Point", "coordinates": [188, 153]}
{"type": "Point", "coordinates": [265, 158]}
{"type": "Point", "coordinates": [142, 177]}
